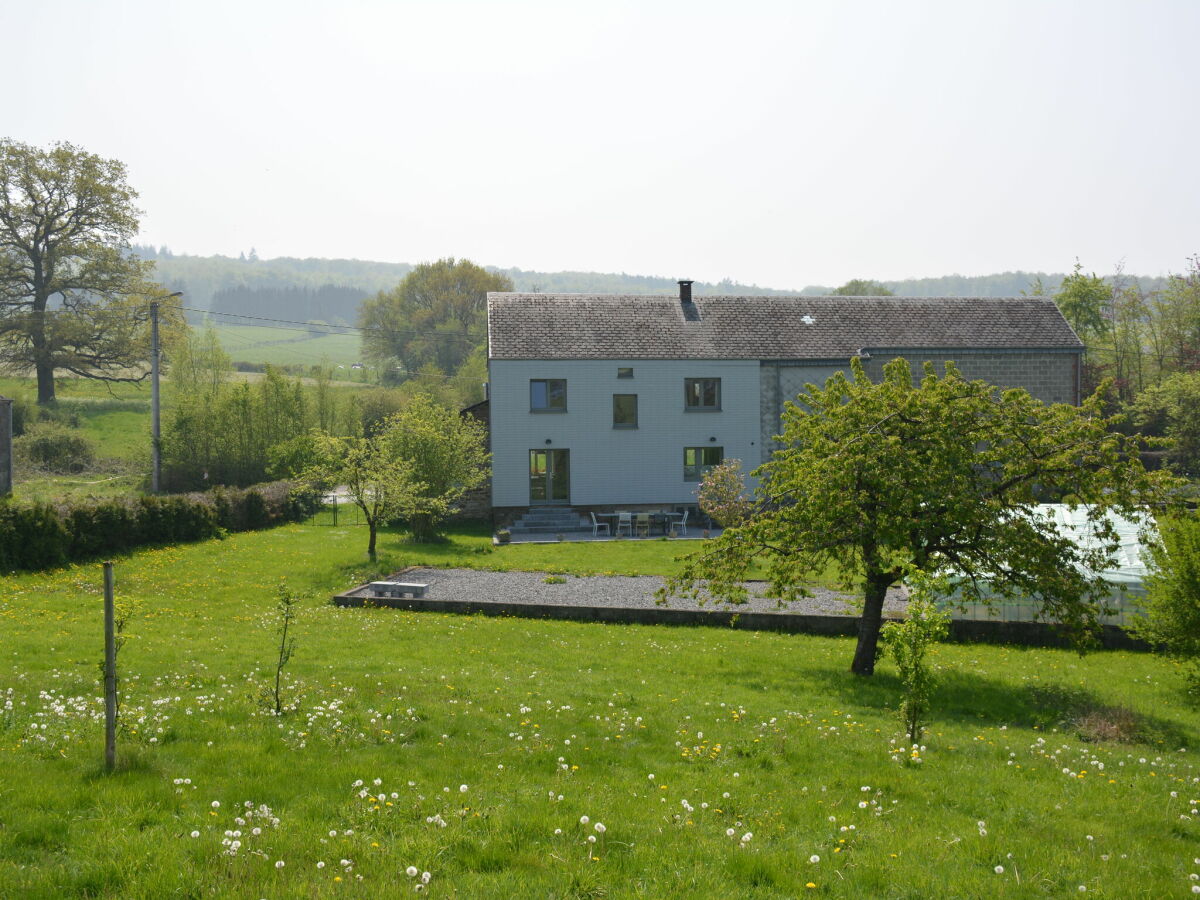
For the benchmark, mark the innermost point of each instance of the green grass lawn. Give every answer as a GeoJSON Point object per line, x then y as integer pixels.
{"type": "Point", "coordinates": [114, 417]}
{"type": "Point", "coordinates": [718, 761]}
{"type": "Point", "coordinates": [289, 346]}
{"type": "Point", "coordinates": [117, 421]}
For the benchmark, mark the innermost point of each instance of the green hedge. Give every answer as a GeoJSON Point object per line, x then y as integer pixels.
{"type": "Point", "coordinates": [41, 535]}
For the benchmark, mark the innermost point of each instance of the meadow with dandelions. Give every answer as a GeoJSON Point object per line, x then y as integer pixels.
{"type": "Point", "coordinates": [494, 757]}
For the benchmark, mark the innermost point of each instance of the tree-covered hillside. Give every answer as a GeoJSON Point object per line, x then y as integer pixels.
{"type": "Point", "coordinates": [254, 286]}
{"type": "Point", "coordinates": [1002, 284]}
{"type": "Point", "coordinates": [331, 289]}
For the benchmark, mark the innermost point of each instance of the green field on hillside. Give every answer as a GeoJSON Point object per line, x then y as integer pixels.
{"type": "Point", "coordinates": [720, 763]}
{"type": "Point", "coordinates": [115, 417]}
{"type": "Point", "coordinates": [289, 346]}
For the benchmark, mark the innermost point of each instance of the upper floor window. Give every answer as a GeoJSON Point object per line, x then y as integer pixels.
{"type": "Point", "coordinates": [624, 372]}
{"type": "Point", "coordinates": [701, 393]}
{"type": "Point", "coordinates": [548, 395]}
{"type": "Point", "coordinates": [698, 460]}
{"type": "Point", "coordinates": [624, 410]}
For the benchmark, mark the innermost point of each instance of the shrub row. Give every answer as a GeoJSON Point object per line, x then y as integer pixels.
{"type": "Point", "coordinates": [40, 535]}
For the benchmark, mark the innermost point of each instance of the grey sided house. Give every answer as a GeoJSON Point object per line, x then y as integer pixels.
{"type": "Point", "coordinates": [601, 402]}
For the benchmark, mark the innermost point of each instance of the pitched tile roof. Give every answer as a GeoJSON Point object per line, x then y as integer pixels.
{"type": "Point", "coordinates": [585, 326]}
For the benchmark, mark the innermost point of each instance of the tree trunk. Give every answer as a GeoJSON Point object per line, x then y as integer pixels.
{"type": "Point", "coordinates": [869, 624]}
{"type": "Point", "coordinates": [45, 381]}
{"type": "Point", "coordinates": [42, 359]}
{"type": "Point", "coordinates": [421, 528]}
{"type": "Point", "coordinates": [371, 526]}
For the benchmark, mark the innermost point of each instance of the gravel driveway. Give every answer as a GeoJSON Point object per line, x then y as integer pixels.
{"type": "Point", "coordinates": [627, 591]}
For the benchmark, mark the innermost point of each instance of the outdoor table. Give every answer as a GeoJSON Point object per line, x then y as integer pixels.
{"type": "Point", "coordinates": [661, 521]}
{"type": "Point", "coordinates": [612, 519]}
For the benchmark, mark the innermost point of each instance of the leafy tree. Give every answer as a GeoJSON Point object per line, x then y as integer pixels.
{"type": "Point", "coordinates": [1083, 301]}
{"type": "Point", "coordinates": [220, 432]}
{"type": "Point", "coordinates": [1178, 313]}
{"type": "Point", "coordinates": [861, 287]}
{"type": "Point", "coordinates": [437, 314]}
{"type": "Point", "coordinates": [879, 480]}
{"type": "Point", "coordinates": [376, 481]}
{"type": "Point", "coordinates": [722, 494]}
{"type": "Point", "coordinates": [909, 642]}
{"type": "Point", "coordinates": [445, 456]}
{"type": "Point", "coordinates": [73, 296]}
{"type": "Point", "coordinates": [1172, 408]}
{"type": "Point", "coordinates": [1171, 612]}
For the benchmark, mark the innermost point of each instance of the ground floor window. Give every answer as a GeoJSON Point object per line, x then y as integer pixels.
{"type": "Point", "coordinates": [698, 460]}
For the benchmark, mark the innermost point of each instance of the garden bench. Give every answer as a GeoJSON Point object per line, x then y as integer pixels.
{"type": "Point", "coordinates": [398, 588]}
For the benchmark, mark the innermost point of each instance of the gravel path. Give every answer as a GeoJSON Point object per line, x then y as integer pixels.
{"type": "Point", "coordinates": [629, 591]}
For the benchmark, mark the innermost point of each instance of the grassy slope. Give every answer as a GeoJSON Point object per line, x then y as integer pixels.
{"type": "Point", "coordinates": [522, 712]}
{"type": "Point", "coordinates": [247, 343]}
{"type": "Point", "coordinates": [115, 418]}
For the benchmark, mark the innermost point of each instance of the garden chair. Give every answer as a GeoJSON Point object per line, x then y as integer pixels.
{"type": "Point", "coordinates": [598, 526]}
{"type": "Point", "coordinates": [625, 520]}
{"type": "Point", "coordinates": [681, 528]}
{"type": "Point", "coordinates": [643, 525]}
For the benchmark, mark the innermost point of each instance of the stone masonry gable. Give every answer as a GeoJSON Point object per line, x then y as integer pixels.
{"type": "Point", "coordinates": [582, 326]}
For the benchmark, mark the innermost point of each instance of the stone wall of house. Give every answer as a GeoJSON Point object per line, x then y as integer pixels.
{"type": "Point", "coordinates": [476, 505]}
{"type": "Point", "coordinates": [1052, 377]}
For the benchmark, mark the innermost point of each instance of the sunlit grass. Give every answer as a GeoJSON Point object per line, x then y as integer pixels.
{"type": "Point", "coordinates": [289, 346]}
{"type": "Point", "coordinates": [744, 733]}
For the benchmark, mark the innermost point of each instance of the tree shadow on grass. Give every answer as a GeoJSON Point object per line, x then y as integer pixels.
{"type": "Point", "coordinates": [967, 697]}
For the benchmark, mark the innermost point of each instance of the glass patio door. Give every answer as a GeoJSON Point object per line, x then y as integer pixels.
{"type": "Point", "coordinates": [549, 476]}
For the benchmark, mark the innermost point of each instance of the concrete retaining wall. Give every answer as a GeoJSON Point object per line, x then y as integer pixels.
{"type": "Point", "coordinates": [1027, 633]}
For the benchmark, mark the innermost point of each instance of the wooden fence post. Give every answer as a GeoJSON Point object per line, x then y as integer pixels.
{"type": "Point", "coordinates": [110, 673]}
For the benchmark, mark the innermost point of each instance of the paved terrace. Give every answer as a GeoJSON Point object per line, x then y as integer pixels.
{"type": "Point", "coordinates": [547, 537]}
{"type": "Point", "coordinates": [630, 599]}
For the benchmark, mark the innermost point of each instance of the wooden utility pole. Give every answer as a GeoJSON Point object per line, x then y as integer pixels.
{"type": "Point", "coordinates": [155, 435]}
{"type": "Point", "coordinates": [110, 673]}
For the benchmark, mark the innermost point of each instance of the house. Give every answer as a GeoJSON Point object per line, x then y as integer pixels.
{"type": "Point", "coordinates": [599, 402]}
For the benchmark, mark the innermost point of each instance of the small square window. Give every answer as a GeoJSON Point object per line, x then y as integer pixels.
{"type": "Point", "coordinates": [624, 373]}
{"type": "Point", "coordinates": [698, 460]}
{"type": "Point", "coordinates": [548, 395]}
{"type": "Point", "coordinates": [701, 394]}
{"type": "Point", "coordinates": [624, 410]}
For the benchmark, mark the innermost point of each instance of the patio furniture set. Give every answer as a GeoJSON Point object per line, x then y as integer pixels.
{"type": "Point", "coordinates": [640, 524]}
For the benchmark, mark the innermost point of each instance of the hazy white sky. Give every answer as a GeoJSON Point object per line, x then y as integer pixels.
{"type": "Point", "coordinates": [780, 143]}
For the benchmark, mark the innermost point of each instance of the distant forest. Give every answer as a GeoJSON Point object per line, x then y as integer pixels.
{"type": "Point", "coordinates": [330, 290]}
{"type": "Point", "coordinates": [332, 304]}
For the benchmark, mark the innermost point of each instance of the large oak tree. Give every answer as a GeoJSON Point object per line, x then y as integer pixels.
{"type": "Point", "coordinates": [436, 316]}
{"type": "Point", "coordinates": [881, 479]}
{"type": "Point", "coordinates": [73, 297]}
